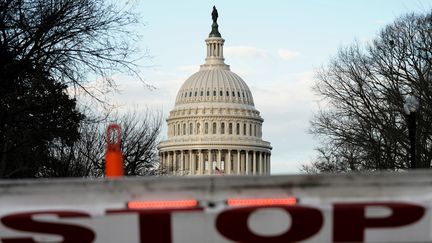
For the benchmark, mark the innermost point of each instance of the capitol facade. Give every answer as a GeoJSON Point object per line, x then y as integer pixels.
{"type": "Point", "coordinates": [214, 127]}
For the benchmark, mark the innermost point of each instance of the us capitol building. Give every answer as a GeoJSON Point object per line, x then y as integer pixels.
{"type": "Point", "coordinates": [214, 127]}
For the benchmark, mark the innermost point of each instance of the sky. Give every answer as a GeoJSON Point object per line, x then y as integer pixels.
{"type": "Point", "coordinates": [276, 46]}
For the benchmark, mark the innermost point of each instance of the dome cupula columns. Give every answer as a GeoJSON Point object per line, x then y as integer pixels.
{"type": "Point", "coordinates": [214, 127]}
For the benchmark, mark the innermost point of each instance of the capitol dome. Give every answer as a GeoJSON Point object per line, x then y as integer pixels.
{"type": "Point", "coordinates": [214, 127]}
{"type": "Point", "coordinates": [215, 85]}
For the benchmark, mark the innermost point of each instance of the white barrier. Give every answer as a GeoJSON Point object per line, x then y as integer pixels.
{"type": "Point", "coordinates": [330, 208]}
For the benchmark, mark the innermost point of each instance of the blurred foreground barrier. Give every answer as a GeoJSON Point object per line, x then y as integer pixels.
{"type": "Point", "coordinates": [384, 207]}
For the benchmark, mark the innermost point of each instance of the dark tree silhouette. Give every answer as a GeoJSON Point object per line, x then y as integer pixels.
{"type": "Point", "coordinates": [362, 125]}
{"type": "Point", "coordinates": [33, 114]}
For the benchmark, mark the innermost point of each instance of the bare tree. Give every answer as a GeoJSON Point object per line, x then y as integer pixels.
{"type": "Point", "coordinates": [69, 39]}
{"type": "Point", "coordinates": [363, 126]}
{"type": "Point", "coordinates": [86, 157]}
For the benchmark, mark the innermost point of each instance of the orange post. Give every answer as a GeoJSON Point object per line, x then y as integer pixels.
{"type": "Point", "coordinates": [113, 156]}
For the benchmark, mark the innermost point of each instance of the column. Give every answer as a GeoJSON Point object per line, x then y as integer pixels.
{"type": "Point", "coordinates": [247, 163]}
{"type": "Point", "coordinates": [242, 164]}
{"type": "Point", "coordinates": [268, 164]}
{"type": "Point", "coordinates": [186, 162]}
{"type": "Point", "coordinates": [260, 164]}
{"type": "Point", "coordinates": [200, 162]}
{"type": "Point", "coordinates": [181, 163]}
{"type": "Point", "coordinates": [219, 160]}
{"type": "Point", "coordinates": [266, 169]}
{"type": "Point", "coordinates": [210, 164]}
{"type": "Point", "coordinates": [265, 164]}
{"type": "Point", "coordinates": [191, 163]}
{"type": "Point", "coordinates": [228, 162]}
{"type": "Point", "coordinates": [169, 166]}
{"type": "Point", "coordinates": [238, 162]}
{"type": "Point", "coordinates": [175, 163]}
{"type": "Point", "coordinates": [254, 163]}
{"type": "Point", "coordinates": [166, 163]}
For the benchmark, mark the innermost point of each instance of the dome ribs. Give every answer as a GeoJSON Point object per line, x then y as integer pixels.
{"type": "Point", "coordinates": [215, 85]}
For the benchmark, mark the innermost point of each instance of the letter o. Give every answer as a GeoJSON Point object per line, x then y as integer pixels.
{"type": "Point", "coordinates": [233, 224]}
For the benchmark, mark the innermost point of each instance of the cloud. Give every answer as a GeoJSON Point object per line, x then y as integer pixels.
{"type": "Point", "coordinates": [287, 104]}
{"type": "Point", "coordinates": [245, 52]}
{"type": "Point", "coordinates": [287, 54]}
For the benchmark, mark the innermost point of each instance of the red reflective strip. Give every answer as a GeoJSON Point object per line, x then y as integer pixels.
{"type": "Point", "coordinates": [162, 204]}
{"type": "Point", "coordinates": [262, 201]}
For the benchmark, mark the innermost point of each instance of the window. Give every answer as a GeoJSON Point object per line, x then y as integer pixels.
{"type": "Point", "coordinates": [244, 129]}
{"type": "Point", "coordinates": [223, 128]}
{"type": "Point", "coordinates": [243, 94]}
{"type": "Point", "coordinates": [238, 128]}
{"type": "Point", "coordinates": [196, 93]}
{"type": "Point", "coordinates": [250, 129]}
{"type": "Point", "coordinates": [230, 128]}
{"type": "Point", "coordinates": [206, 128]}
{"type": "Point", "coordinates": [255, 130]}
{"type": "Point", "coordinates": [178, 129]}
{"type": "Point", "coordinates": [220, 93]}
{"type": "Point", "coordinates": [190, 129]}
{"type": "Point", "coordinates": [214, 93]}
{"type": "Point", "coordinates": [184, 128]}
{"type": "Point", "coordinates": [198, 131]}
{"type": "Point", "coordinates": [238, 93]}
{"type": "Point", "coordinates": [208, 93]}
{"type": "Point", "coordinates": [214, 127]}
{"type": "Point", "coordinates": [190, 94]}
{"type": "Point", "coordinates": [227, 93]}
{"type": "Point", "coordinates": [174, 130]}
{"type": "Point", "coordinates": [233, 93]}
{"type": "Point", "coordinates": [202, 93]}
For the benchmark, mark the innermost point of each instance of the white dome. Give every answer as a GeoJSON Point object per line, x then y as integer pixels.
{"type": "Point", "coordinates": [214, 85]}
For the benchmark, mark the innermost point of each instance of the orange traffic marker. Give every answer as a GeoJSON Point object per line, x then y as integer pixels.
{"type": "Point", "coordinates": [113, 156]}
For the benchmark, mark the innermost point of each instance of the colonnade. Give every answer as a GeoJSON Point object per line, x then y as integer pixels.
{"type": "Point", "coordinates": [215, 161]}
{"type": "Point", "coordinates": [215, 47]}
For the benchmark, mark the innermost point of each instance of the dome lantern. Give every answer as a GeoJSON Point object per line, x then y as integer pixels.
{"type": "Point", "coordinates": [215, 44]}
